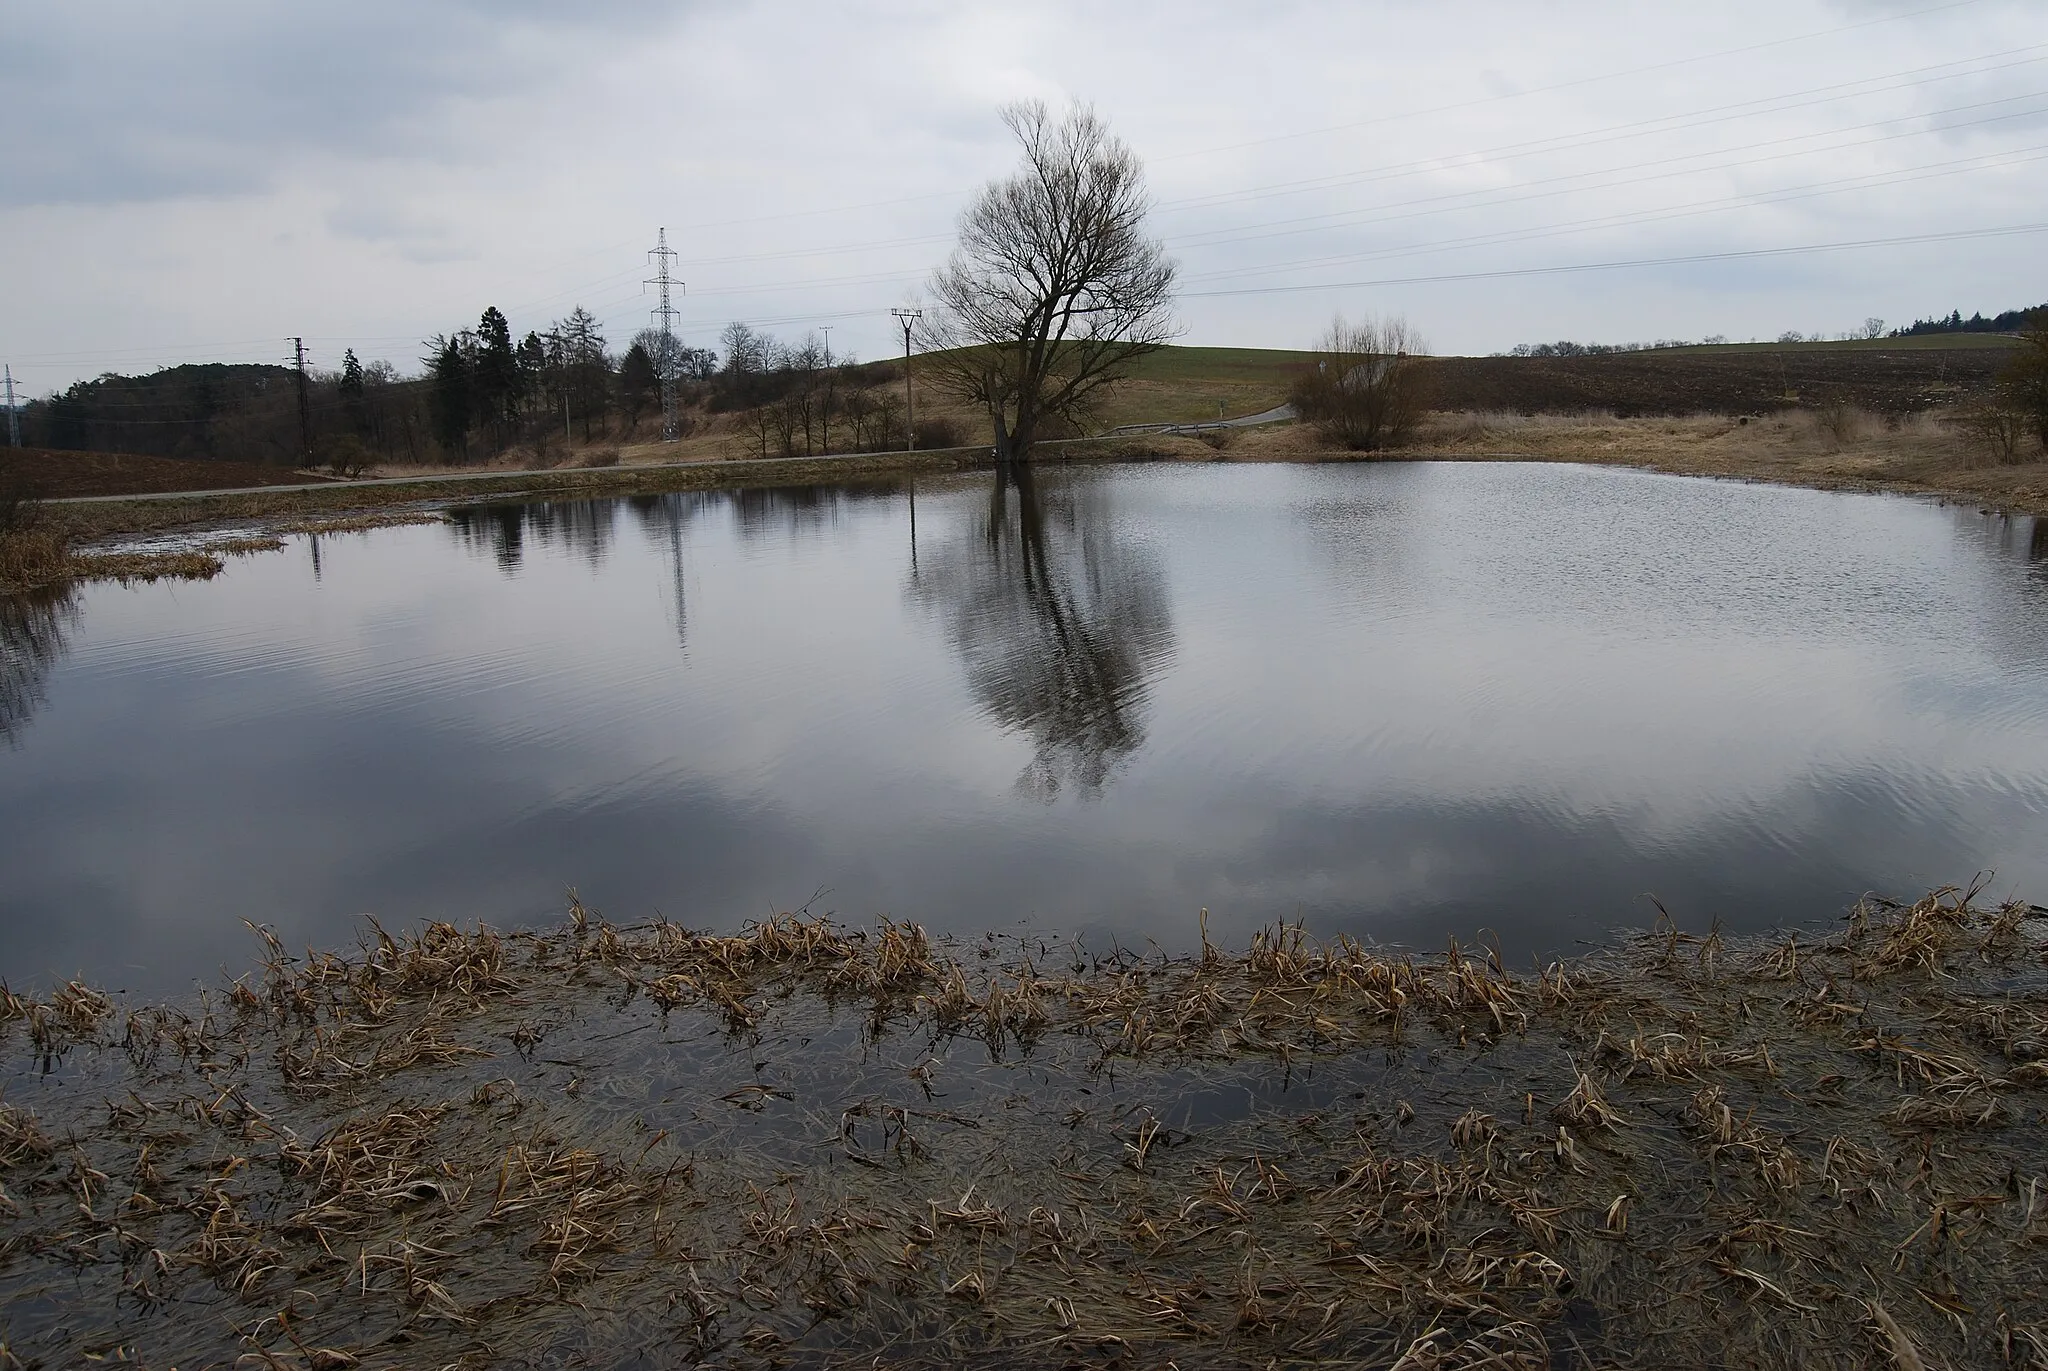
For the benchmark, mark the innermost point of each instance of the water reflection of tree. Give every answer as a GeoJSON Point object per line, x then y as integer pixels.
{"type": "Point", "coordinates": [802, 511]}
{"type": "Point", "coordinates": [33, 632]}
{"type": "Point", "coordinates": [582, 526]}
{"type": "Point", "coordinates": [1059, 623]}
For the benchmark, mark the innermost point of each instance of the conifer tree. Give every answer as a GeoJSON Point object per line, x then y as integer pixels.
{"type": "Point", "coordinates": [495, 380]}
{"type": "Point", "coordinates": [637, 382]}
{"type": "Point", "coordinates": [353, 404]}
{"type": "Point", "coordinates": [450, 401]}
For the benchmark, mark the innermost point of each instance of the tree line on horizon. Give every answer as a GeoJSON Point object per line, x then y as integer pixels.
{"type": "Point", "coordinates": [478, 394]}
{"type": "Point", "coordinates": [2010, 321]}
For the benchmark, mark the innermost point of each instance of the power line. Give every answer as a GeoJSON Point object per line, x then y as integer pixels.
{"type": "Point", "coordinates": [1527, 190]}
{"type": "Point", "coordinates": [2009, 230]}
{"type": "Point", "coordinates": [1780, 196]}
{"type": "Point", "coordinates": [13, 415]}
{"type": "Point", "coordinates": [1639, 128]}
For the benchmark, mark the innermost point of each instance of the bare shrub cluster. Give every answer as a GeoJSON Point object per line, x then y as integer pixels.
{"type": "Point", "coordinates": [1367, 387]}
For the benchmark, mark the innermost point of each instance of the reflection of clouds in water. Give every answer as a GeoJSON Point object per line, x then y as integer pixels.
{"type": "Point", "coordinates": [1059, 622]}
{"type": "Point", "coordinates": [1394, 708]}
{"type": "Point", "coordinates": [33, 635]}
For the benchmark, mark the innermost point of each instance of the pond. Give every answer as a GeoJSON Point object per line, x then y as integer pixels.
{"type": "Point", "coordinates": [1400, 701]}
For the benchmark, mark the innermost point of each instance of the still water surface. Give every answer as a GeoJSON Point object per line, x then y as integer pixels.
{"type": "Point", "coordinates": [1401, 701]}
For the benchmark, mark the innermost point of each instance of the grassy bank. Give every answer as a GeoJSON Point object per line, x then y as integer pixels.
{"type": "Point", "coordinates": [1847, 449]}
{"type": "Point", "coordinates": [1914, 455]}
{"type": "Point", "coordinates": [804, 1145]}
{"type": "Point", "coordinates": [66, 540]}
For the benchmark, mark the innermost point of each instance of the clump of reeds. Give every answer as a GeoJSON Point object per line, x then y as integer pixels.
{"type": "Point", "coordinates": [30, 558]}
{"type": "Point", "coordinates": [146, 567]}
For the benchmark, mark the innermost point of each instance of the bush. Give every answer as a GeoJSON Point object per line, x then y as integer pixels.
{"type": "Point", "coordinates": [344, 455]}
{"type": "Point", "coordinates": [937, 433]}
{"type": "Point", "coordinates": [1366, 389]}
{"type": "Point", "coordinates": [1999, 429]}
{"type": "Point", "coordinates": [600, 457]}
{"type": "Point", "coordinates": [2023, 385]}
{"type": "Point", "coordinates": [1840, 420]}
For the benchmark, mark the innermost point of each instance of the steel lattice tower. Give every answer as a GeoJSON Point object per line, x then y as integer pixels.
{"type": "Point", "coordinates": [665, 315]}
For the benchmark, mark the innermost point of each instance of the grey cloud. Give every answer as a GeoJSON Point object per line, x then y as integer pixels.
{"type": "Point", "coordinates": [114, 102]}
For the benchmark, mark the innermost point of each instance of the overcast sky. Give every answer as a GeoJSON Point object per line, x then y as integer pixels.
{"type": "Point", "coordinates": [195, 181]}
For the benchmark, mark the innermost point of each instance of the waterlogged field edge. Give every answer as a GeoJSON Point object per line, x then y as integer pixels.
{"type": "Point", "coordinates": [805, 1144]}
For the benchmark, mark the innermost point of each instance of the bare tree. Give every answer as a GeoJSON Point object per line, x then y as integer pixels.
{"type": "Point", "coordinates": [1365, 389]}
{"type": "Point", "coordinates": [1055, 289]}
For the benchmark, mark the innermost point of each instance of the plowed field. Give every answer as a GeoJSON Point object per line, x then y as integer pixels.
{"type": "Point", "coordinates": [51, 474]}
{"type": "Point", "coordinates": [1905, 380]}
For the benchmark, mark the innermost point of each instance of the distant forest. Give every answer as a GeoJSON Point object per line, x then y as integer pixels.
{"type": "Point", "coordinates": [2012, 321]}
{"type": "Point", "coordinates": [479, 394]}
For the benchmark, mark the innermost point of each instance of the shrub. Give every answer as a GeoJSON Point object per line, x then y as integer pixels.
{"type": "Point", "coordinates": [600, 457]}
{"type": "Point", "coordinates": [937, 432]}
{"type": "Point", "coordinates": [2023, 385]}
{"type": "Point", "coordinates": [1366, 389]}
{"type": "Point", "coordinates": [344, 455]}
{"type": "Point", "coordinates": [1998, 428]}
{"type": "Point", "coordinates": [1840, 420]}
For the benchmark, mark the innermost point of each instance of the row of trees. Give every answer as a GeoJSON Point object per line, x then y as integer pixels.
{"type": "Point", "coordinates": [2007, 321]}
{"type": "Point", "coordinates": [485, 393]}
{"type": "Point", "coordinates": [796, 400]}
{"type": "Point", "coordinates": [1565, 347]}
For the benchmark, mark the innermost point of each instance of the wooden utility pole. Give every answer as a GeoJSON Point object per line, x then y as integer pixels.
{"type": "Point", "coordinates": [908, 318]}
{"type": "Point", "coordinates": [305, 405]}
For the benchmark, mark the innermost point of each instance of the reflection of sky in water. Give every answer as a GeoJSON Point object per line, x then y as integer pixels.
{"type": "Point", "coordinates": [1403, 701]}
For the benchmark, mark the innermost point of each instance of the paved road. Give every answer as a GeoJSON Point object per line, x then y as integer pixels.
{"type": "Point", "coordinates": [1275, 415]}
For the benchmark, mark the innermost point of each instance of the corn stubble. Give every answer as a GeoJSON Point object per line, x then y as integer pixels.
{"type": "Point", "coordinates": [805, 1145]}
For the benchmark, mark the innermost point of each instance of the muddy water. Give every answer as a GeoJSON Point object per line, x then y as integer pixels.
{"type": "Point", "coordinates": [1403, 701]}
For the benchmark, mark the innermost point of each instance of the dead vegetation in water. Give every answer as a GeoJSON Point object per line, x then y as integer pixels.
{"type": "Point", "coordinates": [803, 1144]}
{"type": "Point", "coordinates": [35, 559]}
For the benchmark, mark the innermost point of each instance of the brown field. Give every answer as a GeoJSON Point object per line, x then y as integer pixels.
{"type": "Point", "coordinates": [1884, 380]}
{"type": "Point", "coordinates": [54, 475]}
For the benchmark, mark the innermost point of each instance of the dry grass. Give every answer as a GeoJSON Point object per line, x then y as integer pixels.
{"type": "Point", "coordinates": [29, 558]}
{"type": "Point", "coordinates": [1841, 449]}
{"type": "Point", "coordinates": [129, 567]}
{"type": "Point", "coordinates": [803, 1144]}
{"type": "Point", "coordinates": [34, 558]}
